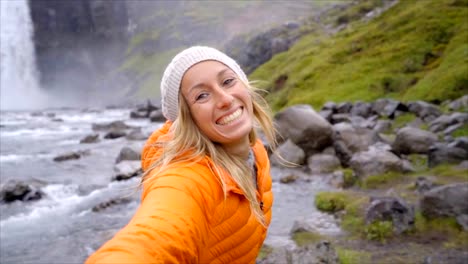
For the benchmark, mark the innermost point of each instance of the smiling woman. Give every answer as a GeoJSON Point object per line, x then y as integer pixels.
{"type": "Point", "coordinates": [207, 187]}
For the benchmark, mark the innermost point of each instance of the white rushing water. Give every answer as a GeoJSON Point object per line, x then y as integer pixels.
{"type": "Point", "coordinates": [19, 75]}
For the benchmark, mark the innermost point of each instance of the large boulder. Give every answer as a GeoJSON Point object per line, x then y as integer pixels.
{"type": "Point", "coordinates": [305, 127]}
{"type": "Point", "coordinates": [411, 140]}
{"type": "Point", "coordinates": [445, 201]}
{"type": "Point", "coordinates": [377, 160]}
{"type": "Point", "coordinates": [355, 138]}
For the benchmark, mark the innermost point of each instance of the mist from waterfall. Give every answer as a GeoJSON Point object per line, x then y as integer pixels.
{"type": "Point", "coordinates": [20, 87]}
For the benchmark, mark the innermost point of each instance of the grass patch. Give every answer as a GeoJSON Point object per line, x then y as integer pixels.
{"type": "Point", "coordinates": [444, 174]}
{"type": "Point", "coordinates": [352, 203]}
{"type": "Point", "coordinates": [461, 132]}
{"type": "Point", "coordinates": [418, 161]}
{"type": "Point", "coordinates": [446, 228]}
{"type": "Point", "coordinates": [331, 202]}
{"type": "Point", "coordinates": [379, 231]}
{"type": "Point", "coordinates": [349, 178]}
{"type": "Point", "coordinates": [402, 120]}
{"type": "Point", "coordinates": [348, 256]}
{"type": "Point", "coordinates": [353, 221]}
{"type": "Point", "coordinates": [306, 238]}
{"type": "Point", "coordinates": [381, 180]}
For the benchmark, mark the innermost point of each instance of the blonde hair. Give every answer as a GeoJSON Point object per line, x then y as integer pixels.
{"type": "Point", "coordinates": [189, 144]}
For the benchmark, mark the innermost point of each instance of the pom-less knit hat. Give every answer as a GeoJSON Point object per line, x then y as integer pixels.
{"type": "Point", "coordinates": [170, 83]}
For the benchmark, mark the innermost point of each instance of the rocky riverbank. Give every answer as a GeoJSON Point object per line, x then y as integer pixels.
{"type": "Point", "coordinates": [402, 173]}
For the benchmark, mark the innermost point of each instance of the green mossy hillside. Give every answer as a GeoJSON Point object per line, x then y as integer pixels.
{"type": "Point", "coordinates": [416, 50]}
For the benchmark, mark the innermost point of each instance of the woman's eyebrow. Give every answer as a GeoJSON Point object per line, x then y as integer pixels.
{"type": "Point", "coordinates": [220, 73]}
{"type": "Point", "coordinates": [200, 85]}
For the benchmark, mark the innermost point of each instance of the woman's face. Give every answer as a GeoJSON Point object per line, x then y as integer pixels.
{"type": "Point", "coordinates": [219, 102]}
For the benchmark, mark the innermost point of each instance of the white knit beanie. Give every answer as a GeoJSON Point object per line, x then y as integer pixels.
{"type": "Point", "coordinates": [170, 83]}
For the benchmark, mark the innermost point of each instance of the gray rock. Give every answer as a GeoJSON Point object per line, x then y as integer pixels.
{"type": "Point", "coordinates": [342, 152]}
{"type": "Point", "coordinates": [391, 209]}
{"type": "Point", "coordinates": [462, 220]}
{"type": "Point", "coordinates": [322, 252]}
{"type": "Point", "coordinates": [290, 152]}
{"type": "Point", "coordinates": [323, 163]}
{"type": "Point", "coordinates": [375, 161]}
{"type": "Point", "coordinates": [331, 106]}
{"type": "Point", "coordinates": [446, 153]}
{"type": "Point", "coordinates": [326, 114]}
{"type": "Point", "coordinates": [136, 134]}
{"type": "Point", "coordinates": [361, 122]}
{"type": "Point", "coordinates": [460, 103]}
{"type": "Point", "coordinates": [125, 170]}
{"type": "Point", "coordinates": [413, 140]}
{"type": "Point", "coordinates": [387, 107]}
{"type": "Point", "coordinates": [115, 134]}
{"type": "Point", "coordinates": [139, 114]}
{"type": "Point", "coordinates": [305, 128]}
{"type": "Point", "coordinates": [128, 153]}
{"type": "Point", "coordinates": [447, 200]}
{"type": "Point", "coordinates": [115, 125]}
{"type": "Point", "coordinates": [19, 191]}
{"type": "Point", "coordinates": [340, 118]}
{"type": "Point", "coordinates": [92, 138]}
{"type": "Point", "coordinates": [344, 108]}
{"type": "Point", "coordinates": [383, 126]}
{"type": "Point", "coordinates": [444, 121]}
{"type": "Point", "coordinates": [426, 111]}
{"type": "Point", "coordinates": [423, 184]}
{"type": "Point", "coordinates": [157, 116]}
{"type": "Point", "coordinates": [361, 109]}
{"type": "Point", "coordinates": [301, 226]}
{"type": "Point", "coordinates": [355, 139]}
{"type": "Point", "coordinates": [71, 155]}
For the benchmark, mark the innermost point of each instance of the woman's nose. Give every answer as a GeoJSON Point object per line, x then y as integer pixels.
{"type": "Point", "coordinates": [224, 98]}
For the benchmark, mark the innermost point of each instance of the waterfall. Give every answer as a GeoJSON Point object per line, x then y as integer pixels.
{"type": "Point", "coordinates": [19, 76]}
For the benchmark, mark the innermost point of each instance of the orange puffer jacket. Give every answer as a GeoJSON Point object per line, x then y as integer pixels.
{"type": "Point", "coordinates": [184, 216]}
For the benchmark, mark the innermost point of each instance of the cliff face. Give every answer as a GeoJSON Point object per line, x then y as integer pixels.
{"type": "Point", "coordinates": [77, 41]}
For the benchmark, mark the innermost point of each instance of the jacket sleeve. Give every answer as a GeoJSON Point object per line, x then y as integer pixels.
{"type": "Point", "coordinates": [168, 227]}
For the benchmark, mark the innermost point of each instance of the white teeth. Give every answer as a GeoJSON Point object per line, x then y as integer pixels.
{"type": "Point", "coordinates": [228, 119]}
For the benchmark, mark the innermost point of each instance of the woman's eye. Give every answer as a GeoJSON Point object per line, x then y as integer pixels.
{"type": "Point", "coordinates": [228, 81]}
{"type": "Point", "coordinates": [201, 96]}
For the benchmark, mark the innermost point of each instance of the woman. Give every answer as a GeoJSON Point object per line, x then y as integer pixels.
{"type": "Point", "coordinates": [207, 189]}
